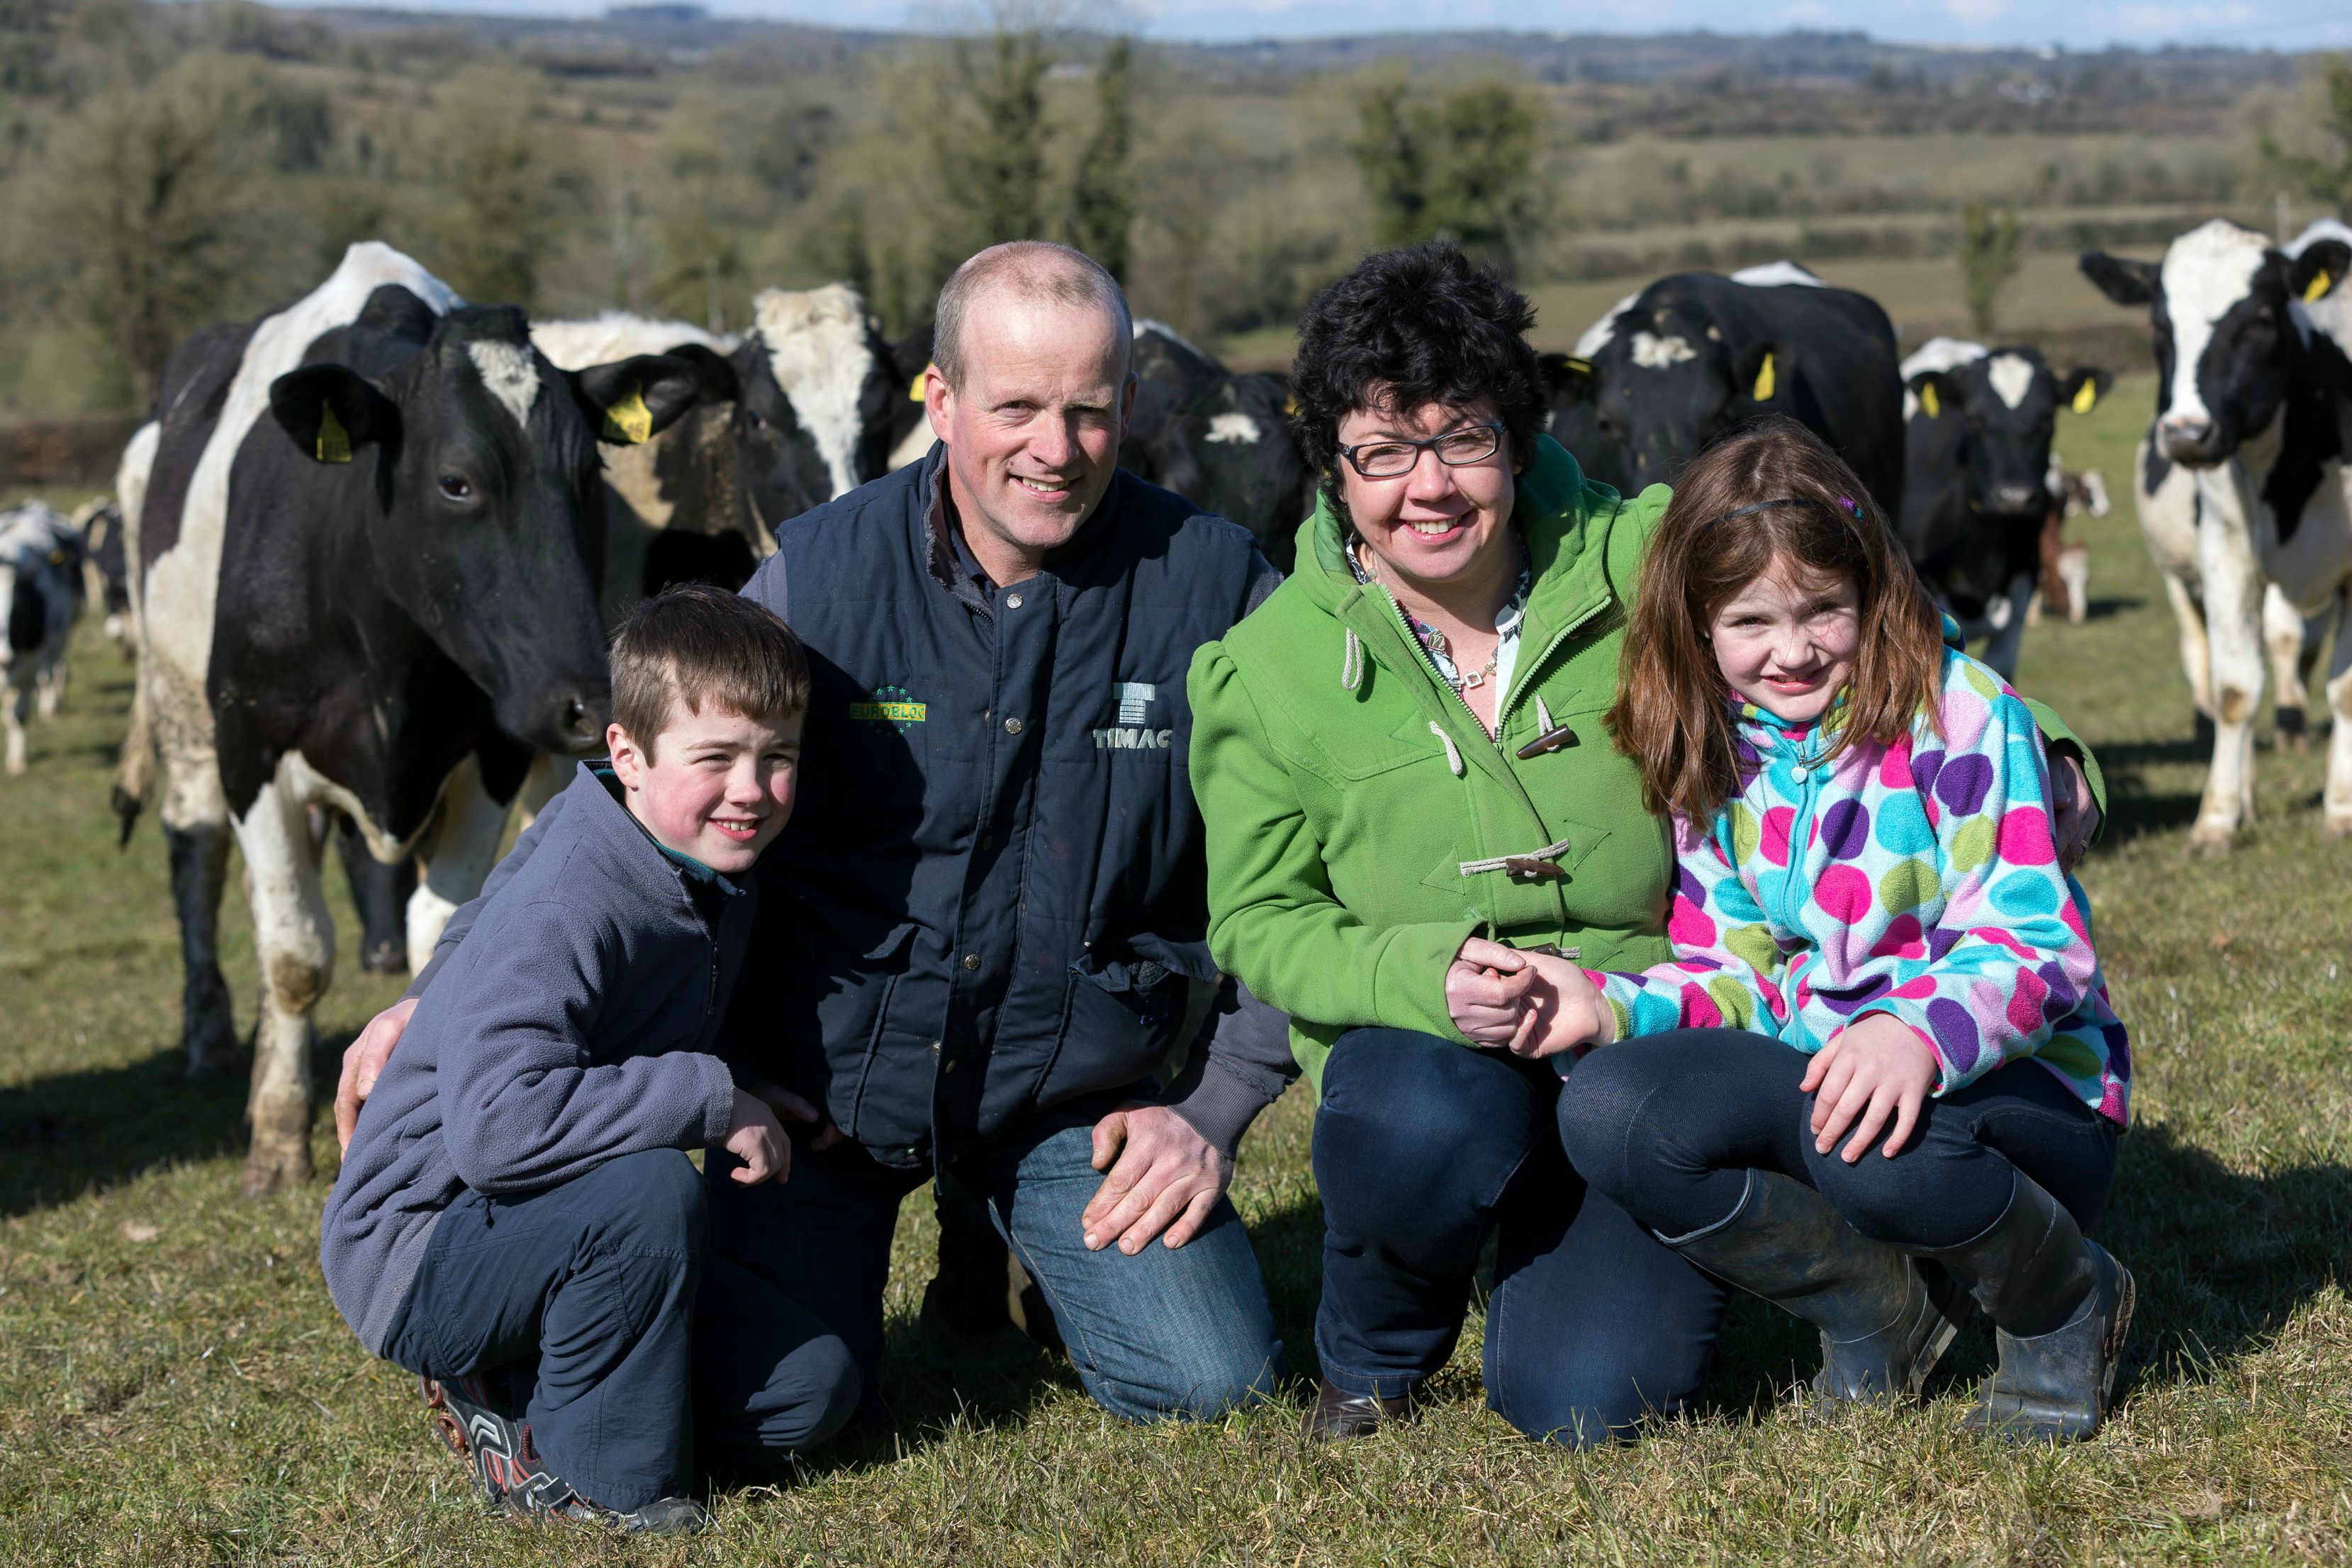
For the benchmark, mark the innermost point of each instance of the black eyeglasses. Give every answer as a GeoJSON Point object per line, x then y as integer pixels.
{"type": "Point", "coordinates": [1394, 459]}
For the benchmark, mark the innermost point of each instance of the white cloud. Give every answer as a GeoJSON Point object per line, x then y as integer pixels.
{"type": "Point", "coordinates": [1977, 13]}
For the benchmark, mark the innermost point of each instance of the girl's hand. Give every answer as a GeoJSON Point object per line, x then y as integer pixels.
{"type": "Point", "coordinates": [1569, 1009]}
{"type": "Point", "coordinates": [1871, 1069]}
{"type": "Point", "coordinates": [1486, 990]}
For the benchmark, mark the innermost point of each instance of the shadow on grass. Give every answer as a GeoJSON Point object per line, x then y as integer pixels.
{"type": "Point", "coordinates": [76, 1132]}
{"type": "Point", "coordinates": [2100, 609]}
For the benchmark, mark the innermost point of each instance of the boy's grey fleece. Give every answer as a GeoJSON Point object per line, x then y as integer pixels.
{"type": "Point", "coordinates": [582, 1024]}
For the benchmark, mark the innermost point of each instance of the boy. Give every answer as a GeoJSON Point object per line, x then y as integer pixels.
{"type": "Point", "coordinates": [516, 1220]}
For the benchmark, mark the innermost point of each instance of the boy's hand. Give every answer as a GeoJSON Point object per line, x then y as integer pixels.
{"type": "Point", "coordinates": [1487, 989]}
{"type": "Point", "coordinates": [1871, 1068]}
{"type": "Point", "coordinates": [363, 1062]}
{"type": "Point", "coordinates": [791, 1107]}
{"type": "Point", "coordinates": [1567, 1007]}
{"type": "Point", "coordinates": [755, 1137]}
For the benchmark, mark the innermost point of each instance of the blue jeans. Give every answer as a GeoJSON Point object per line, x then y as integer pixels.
{"type": "Point", "coordinates": [1423, 1148]}
{"type": "Point", "coordinates": [637, 1353]}
{"type": "Point", "coordinates": [1182, 1333]}
{"type": "Point", "coordinates": [1669, 1125]}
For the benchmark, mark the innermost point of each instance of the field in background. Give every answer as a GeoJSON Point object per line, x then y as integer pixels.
{"type": "Point", "coordinates": [175, 1388]}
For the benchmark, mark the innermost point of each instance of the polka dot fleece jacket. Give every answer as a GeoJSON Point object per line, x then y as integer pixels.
{"type": "Point", "coordinates": [1918, 880]}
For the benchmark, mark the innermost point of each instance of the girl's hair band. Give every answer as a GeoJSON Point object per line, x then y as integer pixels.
{"type": "Point", "coordinates": [1852, 507]}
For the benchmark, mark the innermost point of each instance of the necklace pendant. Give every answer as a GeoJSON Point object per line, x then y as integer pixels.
{"type": "Point", "coordinates": [1473, 680]}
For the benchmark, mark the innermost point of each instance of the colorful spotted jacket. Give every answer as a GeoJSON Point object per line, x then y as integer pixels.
{"type": "Point", "coordinates": [1918, 880]}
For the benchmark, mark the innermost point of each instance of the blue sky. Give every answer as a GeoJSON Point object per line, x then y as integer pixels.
{"type": "Point", "coordinates": [2089, 24]}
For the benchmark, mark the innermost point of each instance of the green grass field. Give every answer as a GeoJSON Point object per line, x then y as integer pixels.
{"type": "Point", "coordinates": [175, 1388]}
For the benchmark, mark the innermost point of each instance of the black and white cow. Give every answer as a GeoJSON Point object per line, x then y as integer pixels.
{"type": "Point", "coordinates": [1221, 440]}
{"type": "Point", "coordinates": [829, 358]}
{"type": "Point", "coordinates": [1976, 428]}
{"type": "Point", "coordinates": [106, 570]}
{"type": "Point", "coordinates": [1692, 356]}
{"type": "Point", "coordinates": [367, 529]}
{"type": "Point", "coordinates": [41, 593]}
{"type": "Point", "coordinates": [2254, 402]}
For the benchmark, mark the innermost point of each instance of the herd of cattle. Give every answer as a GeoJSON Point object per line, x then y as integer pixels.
{"type": "Point", "coordinates": [366, 548]}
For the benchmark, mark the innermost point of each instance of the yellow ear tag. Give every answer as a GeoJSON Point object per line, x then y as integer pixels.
{"type": "Point", "coordinates": [2087, 398]}
{"type": "Point", "coordinates": [1927, 400]}
{"type": "Point", "coordinates": [914, 393]}
{"type": "Point", "coordinates": [1580, 366]}
{"type": "Point", "coordinates": [2321, 282]}
{"type": "Point", "coordinates": [334, 441]}
{"type": "Point", "coordinates": [1290, 408]}
{"type": "Point", "coordinates": [1764, 380]}
{"type": "Point", "coordinates": [56, 557]}
{"type": "Point", "coordinates": [628, 421]}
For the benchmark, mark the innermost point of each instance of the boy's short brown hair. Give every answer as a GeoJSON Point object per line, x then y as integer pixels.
{"type": "Point", "coordinates": [697, 644]}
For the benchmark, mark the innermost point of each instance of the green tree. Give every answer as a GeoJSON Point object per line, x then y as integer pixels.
{"type": "Point", "coordinates": [2326, 175]}
{"type": "Point", "coordinates": [1459, 166]}
{"type": "Point", "coordinates": [1101, 211]}
{"type": "Point", "coordinates": [701, 219]}
{"type": "Point", "coordinates": [1988, 259]}
{"type": "Point", "coordinates": [499, 192]}
{"type": "Point", "coordinates": [991, 157]}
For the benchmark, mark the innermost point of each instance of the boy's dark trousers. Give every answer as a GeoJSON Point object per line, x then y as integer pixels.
{"type": "Point", "coordinates": [631, 1357]}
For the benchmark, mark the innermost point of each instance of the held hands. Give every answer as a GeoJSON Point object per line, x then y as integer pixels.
{"type": "Point", "coordinates": [1533, 1004]}
{"type": "Point", "coordinates": [1870, 1069]}
{"type": "Point", "coordinates": [755, 1137]}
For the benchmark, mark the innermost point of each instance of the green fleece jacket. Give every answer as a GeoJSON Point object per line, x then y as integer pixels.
{"type": "Point", "coordinates": [1359, 818]}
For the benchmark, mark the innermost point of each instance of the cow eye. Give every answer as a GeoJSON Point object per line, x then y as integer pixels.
{"type": "Point", "coordinates": [758, 422]}
{"type": "Point", "coordinates": [456, 487]}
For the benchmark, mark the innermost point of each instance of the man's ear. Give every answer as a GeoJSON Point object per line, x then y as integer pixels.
{"type": "Point", "coordinates": [1934, 391]}
{"type": "Point", "coordinates": [1567, 378]}
{"type": "Point", "coordinates": [331, 411]}
{"type": "Point", "coordinates": [1760, 371]}
{"type": "Point", "coordinates": [2315, 273]}
{"type": "Point", "coordinates": [2125, 282]}
{"type": "Point", "coordinates": [633, 400]}
{"type": "Point", "coordinates": [2082, 389]}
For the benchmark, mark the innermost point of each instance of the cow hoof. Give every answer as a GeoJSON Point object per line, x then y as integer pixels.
{"type": "Point", "coordinates": [2211, 843]}
{"type": "Point", "coordinates": [2337, 827]}
{"type": "Point", "coordinates": [385, 958]}
{"type": "Point", "coordinates": [266, 1173]}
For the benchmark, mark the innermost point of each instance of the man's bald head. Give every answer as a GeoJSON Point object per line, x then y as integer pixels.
{"type": "Point", "coordinates": [1029, 270]}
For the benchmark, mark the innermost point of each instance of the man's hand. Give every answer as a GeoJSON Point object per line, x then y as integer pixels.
{"type": "Point", "coordinates": [1873, 1069]}
{"type": "Point", "coordinates": [791, 1107]}
{"type": "Point", "coordinates": [1162, 1176]}
{"type": "Point", "coordinates": [1486, 992]}
{"type": "Point", "coordinates": [2073, 812]}
{"type": "Point", "coordinates": [754, 1137]}
{"type": "Point", "coordinates": [1567, 1009]}
{"type": "Point", "coordinates": [364, 1061]}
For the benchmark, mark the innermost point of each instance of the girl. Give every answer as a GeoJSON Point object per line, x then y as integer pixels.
{"type": "Point", "coordinates": [1883, 1041]}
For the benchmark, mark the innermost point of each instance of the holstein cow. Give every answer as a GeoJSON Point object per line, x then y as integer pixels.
{"type": "Point", "coordinates": [2256, 404]}
{"type": "Point", "coordinates": [1692, 356]}
{"type": "Point", "coordinates": [1221, 440]}
{"type": "Point", "coordinates": [366, 530]}
{"type": "Point", "coordinates": [1977, 427]}
{"type": "Point", "coordinates": [106, 571]}
{"type": "Point", "coordinates": [2066, 568]}
{"type": "Point", "coordinates": [830, 358]}
{"type": "Point", "coordinates": [40, 592]}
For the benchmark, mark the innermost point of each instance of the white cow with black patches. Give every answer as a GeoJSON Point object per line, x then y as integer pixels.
{"type": "Point", "coordinates": [41, 596]}
{"type": "Point", "coordinates": [2255, 402]}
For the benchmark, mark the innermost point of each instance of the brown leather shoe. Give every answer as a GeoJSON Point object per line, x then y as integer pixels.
{"type": "Point", "coordinates": [1339, 1416]}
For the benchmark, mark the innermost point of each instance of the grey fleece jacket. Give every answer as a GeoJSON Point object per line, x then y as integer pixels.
{"type": "Point", "coordinates": [581, 1023]}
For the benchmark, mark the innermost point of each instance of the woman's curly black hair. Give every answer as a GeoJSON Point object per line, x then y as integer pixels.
{"type": "Point", "coordinates": [1430, 327]}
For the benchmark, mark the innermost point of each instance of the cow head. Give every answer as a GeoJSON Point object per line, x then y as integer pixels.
{"type": "Point", "coordinates": [779, 471]}
{"type": "Point", "coordinates": [2003, 408]}
{"type": "Point", "coordinates": [2228, 311]}
{"type": "Point", "coordinates": [488, 523]}
{"type": "Point", "coordinates": [1664, 383]}
{"type": "Point", "coordinates": [829, 358]}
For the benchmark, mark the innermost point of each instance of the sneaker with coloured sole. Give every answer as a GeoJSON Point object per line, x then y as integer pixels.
{"type": "Point", "coordinates": [511, 1475]}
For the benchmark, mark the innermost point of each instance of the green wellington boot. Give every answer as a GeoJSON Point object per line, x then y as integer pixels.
{"type": "Point", "coordinates": [1882, 1327]}
{"type": "Point", "coordinates": [2062, 1307]}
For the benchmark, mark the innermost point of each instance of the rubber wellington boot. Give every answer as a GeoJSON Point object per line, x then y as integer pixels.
{"type": "Point", "coordinates": [1881, 1328]}
{"type": "Point", "coordinates": [2060, 1307]}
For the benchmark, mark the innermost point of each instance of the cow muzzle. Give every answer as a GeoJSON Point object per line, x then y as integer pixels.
{"type": "Point", "coordinates": [574, 721]}
{"type": "Point", "coordinates": [2193, 443]}
{"type": "Point", "coordinates": [2021, 501]}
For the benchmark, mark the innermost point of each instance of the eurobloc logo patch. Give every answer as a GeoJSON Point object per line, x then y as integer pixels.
{"type": "Point", "coordinates": [1133, 732]}
{"type": "Point", "coordinates": [890, 706]}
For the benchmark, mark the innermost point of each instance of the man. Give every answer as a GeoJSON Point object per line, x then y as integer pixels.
{"type": "Point", "coordinates": [993, 891]}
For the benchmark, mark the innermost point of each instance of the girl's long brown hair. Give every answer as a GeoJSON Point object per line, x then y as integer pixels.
{"type": "Point", "coordinates": [1671, 716]}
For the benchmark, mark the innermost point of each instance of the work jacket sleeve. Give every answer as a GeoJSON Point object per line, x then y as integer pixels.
{"type": "Point", "coordinates": [1274, 920]}
{"type": "Point", "coordinates": [1722, 974]}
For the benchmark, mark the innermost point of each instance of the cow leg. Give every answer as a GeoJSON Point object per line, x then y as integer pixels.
{"type": "Point", "coordinates": [52, 686]}
{"type": "Point", "coordinates": [199, 860]}
{"type": "Point", "coordinates": [2002, 652]}
{"type": "Point", "coordinates": [2075, 572]}
{"type": "Point", "coordinates": [2196, 656]}
{"type": "Point", "coordinates": [2336, 808]}
{"type": "Point", "coordinates": [457, 855]}
{"type": "Point", "coordinates": [549, 773]}
{"type": "Point", "coordinates": [13, 712]}
{"type": "Point", "coordinates": [380, 894]}
{"type": "Point", "coordinates": [2233, 631]}
{"type": "Point", "coordinates": [2282, 640]}
{"type": "Point", "coordinates": [295, 938]}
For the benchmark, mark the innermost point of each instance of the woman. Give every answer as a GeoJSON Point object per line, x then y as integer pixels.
{"type": "Point", "coordinates": [1413, 815]}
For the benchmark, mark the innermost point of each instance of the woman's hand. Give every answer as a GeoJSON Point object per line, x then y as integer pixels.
{"type": "Point", "coordinates": [1486, 992]}
{"type": "Point", "coordinates": [1871, 1069]}
{"type": "Point", "coordinates": [1568, 1007]}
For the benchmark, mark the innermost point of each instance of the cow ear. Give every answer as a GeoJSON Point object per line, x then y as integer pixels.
{"type": "Point", "coordinates": [1761, 369]}
{"type": "Point", "coordinates": [1932, 391]}
{"type": "Point", "coordinates": [331, 411]}
{"type": "Point", "coordinates": [2082, 389]}
{"type": "Point", "coordinates": [1565, 377]}
{"type": "Point", "coordinates": [632, 400]}
{"type": "Point", "coordinates": [2321, 267]}
{"type": "Point", "coordinates": [719, 382]}
{"type": "Point", "coordinates": [2125, 282]}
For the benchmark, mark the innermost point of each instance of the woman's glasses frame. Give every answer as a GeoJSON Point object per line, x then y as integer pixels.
{"type": "Point", "coordinates": [1491, 434]}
